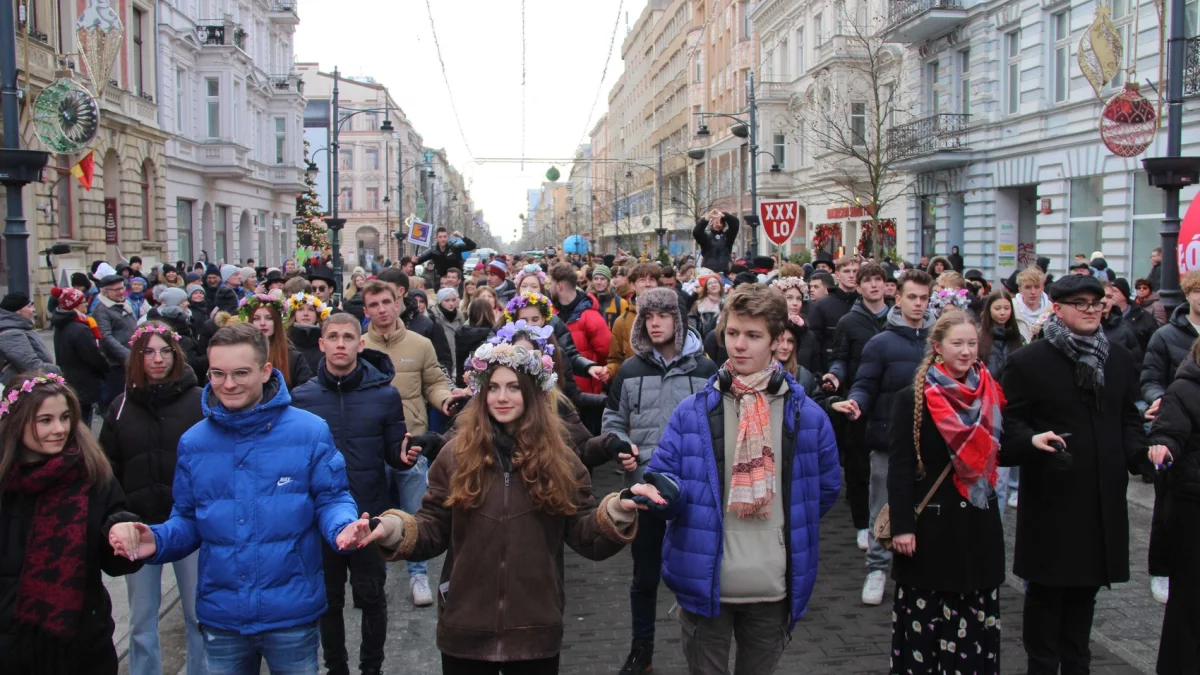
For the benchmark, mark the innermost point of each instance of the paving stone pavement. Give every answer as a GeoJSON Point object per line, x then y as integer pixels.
{"type": "Point", "coordinates": [838, 635]}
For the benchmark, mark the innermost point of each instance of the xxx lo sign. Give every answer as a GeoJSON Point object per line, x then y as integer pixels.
{"type": "Point", "coordinates": [779, 219]}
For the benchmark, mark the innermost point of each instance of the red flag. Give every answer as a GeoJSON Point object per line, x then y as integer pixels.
{"type": "Point", "coordinates": [85, 170]}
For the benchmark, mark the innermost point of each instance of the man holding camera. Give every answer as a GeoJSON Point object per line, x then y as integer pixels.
{"type": "Point", "coordinates": [1072, 426]}
{"type": "Point", "coordinates": [715, 235]}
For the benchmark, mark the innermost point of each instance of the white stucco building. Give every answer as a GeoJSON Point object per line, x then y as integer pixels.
{"type": "Point", "coordinates": [233, 104]}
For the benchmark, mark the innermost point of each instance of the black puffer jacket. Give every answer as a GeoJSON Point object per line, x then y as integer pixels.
{"type": "Point", "coordinates": [83, 365]}
{"type": "Point", "coordinates": [443, 260]}
{"type": "Point", "coordinates": [823, 318]}
{"type": "Point", "coordinates": [854, 329]}
{"type": "Point", "coordinates": [305, 340]}
{"type": "Point", "coordinates": [1177, 426]}
{"type": "Point", "coordinates": [889, 362]}
{"type": "Point", "coordinates": [466, 340]}
{"type": "Point", "coordinates": [366, 418]}
{"type": "Point", "coordinates": [1168, 348]}
{"type": "Point", "coordinates": [1143, 324]}
{"type": "Point", "coordinates": [141, 435]}
{"type": "Point", "coordinates": [1117, 330]}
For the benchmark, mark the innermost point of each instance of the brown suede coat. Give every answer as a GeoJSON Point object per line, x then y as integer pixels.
{"type": "Point", "coordinates": [501, 594]}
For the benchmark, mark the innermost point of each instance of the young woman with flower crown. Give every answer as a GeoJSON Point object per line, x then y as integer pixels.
{"type": "Point", "coordinates": [140, 435]}
{"type": "Point", "coordinates": [58, 499]}
{"type": "Point", "coordinates": [267, 314]}
{"type": "Point", "coordinates": [306, 313]}
{"type": "Point", "coordinates": [505, 496]}
{"type": "Point", "coordinates": [949, 563]}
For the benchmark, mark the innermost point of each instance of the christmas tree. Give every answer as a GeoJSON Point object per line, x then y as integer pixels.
{"type": "Point", "coordinates": [311, 232]}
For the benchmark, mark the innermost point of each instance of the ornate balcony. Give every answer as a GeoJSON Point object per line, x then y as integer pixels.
{"type": "Point", "coordinates": [930, 144]}
{"type": "Point", "coordinates": [915, 21]}
{"type": "Point", "coordinates": [286, 84]}
{"type": "Point", "coordinates": [217, 33]}
{"type": "Point", "coordinates": [284, 12]}
{"type": "Point", "coordinates": [773, 91]}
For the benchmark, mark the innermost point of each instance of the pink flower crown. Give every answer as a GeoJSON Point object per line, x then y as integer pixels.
{"type": "Point", "coordinates": [159, 329]}
{"type": "Point", "coordinates": [784, 283]}
{"type": "Point", "coordinates": [13, 394]}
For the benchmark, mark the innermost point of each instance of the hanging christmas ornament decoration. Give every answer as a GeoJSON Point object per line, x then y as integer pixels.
{"type": "Point", "coordinates": [1128, 122]}
{"type": "Point", "coordinates": [99, 32]}
{"type": "Point", "coordinates": [65, 116]}
{"type": "Point", "coordinates": [553, 174]}
{"type": "Point", "coordinates": [1100, 50]}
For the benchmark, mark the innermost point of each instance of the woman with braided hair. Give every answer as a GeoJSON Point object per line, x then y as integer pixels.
{"type": "Point", "coordinates": [944, 450]}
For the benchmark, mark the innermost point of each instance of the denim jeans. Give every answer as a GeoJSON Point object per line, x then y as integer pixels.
{"type": "Point", "coordinates": [877, 556]}
{"type": "Point", "coordinates": [288, 651]}
{"type": "Point", "coordinates": [408, 487]}
{"type": "Point", "coordinates": [647, 570]}
{"type": "Point", "coordinates": [145, 598]}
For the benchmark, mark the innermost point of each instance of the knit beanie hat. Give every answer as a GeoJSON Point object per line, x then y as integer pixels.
{"type": "Point", "coordinates": [15, 301]}
{"type": "Point", "coordinates": [498, 267]}
{"type": "Point", "coordinates": [212, 270]}
{"type": "Point", "coordinates": [1122, 284]}
{"type": "Point", "coordinates": [248, 273]}
{"type": "Point", "coordinates": [172, 297]}
{"type": "Point", "coordinates": [80, 279]}
{"type": "Point", "coordinates": [192, 278]}
{"type": "Point", "coordinates": [68, 298]}
{"type": "Point", "coordinates": [227, 271]}
{"type": "Point", "coordinates": [446, 293]}
{"type": "Point", "coordinates": [602, 271]}
{"type": "Point", "coordinates": [656, 300]}
{"type": "Point", "coordinates": [227, 300]}
{"type": "Point", "coordinates": [193, 287]}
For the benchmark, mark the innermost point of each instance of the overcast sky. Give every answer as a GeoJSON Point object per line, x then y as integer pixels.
{"type": "Point", "coordinates": [566, 47]}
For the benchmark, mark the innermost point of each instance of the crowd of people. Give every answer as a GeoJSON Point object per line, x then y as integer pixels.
{"type": "Point", "coordinates": [273, 437]}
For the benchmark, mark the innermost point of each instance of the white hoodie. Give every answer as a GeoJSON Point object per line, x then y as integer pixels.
{"type": "Point", "coordinates": [1027, 318]}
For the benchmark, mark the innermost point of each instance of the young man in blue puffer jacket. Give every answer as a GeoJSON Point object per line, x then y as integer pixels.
{"type": "Point", "coordinates": [740, 552]}
{"type": "Point", "coordinates": [258, 484]}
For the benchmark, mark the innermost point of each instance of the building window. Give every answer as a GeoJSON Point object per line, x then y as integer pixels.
{"type": "Point", "coordinates": [139, 19]}
{"type": "Point", "coordinates": [783, 61]}
{"type": "Point", "coordinates": [372, 122]}
{"type": "Point", "coordinates": [1086, 214]}
{"type": "Point", "coordinates": [1012, 42]}
{"type": "Point", "coordinates": [372, 199]}
{"type": "Point", "coordinates": [346, 199]}
{"type": "Point", "coordinates": [780, 150]}
{"type": "Point", "coordinates": [858, 123]}
{"type": "Point", "coordinates": [183, 228]}
{"type": "Point", "coordinates": [222, 218]}
{"type": "Point", "coordinates": [888, 105]}
{"type": "Point", "coordinates": [180, 107]}
{"type": "Point", "coordinates": [1060, 26]}
{"type": "Point", "coordinates": [818, 30]}
{"type": "Point", "coordinates": [932, 95]}
{"type": "Point", "coordinates": [280, 139]}
{"type": "Point", "coordinates": [237, 107]}
{"type": "Point", "coordinates": [63, 189]}
{"type": "Point", "coordinates": [146, 186]}
{"type": "Point", "coordinates": [346, 160]}
{"type": "Point", "coordinates": [1149, 206]}
{"type": "Point", "coordinates": [1122, 16]}
{"type": "Point", "coordinates": [212, 90]}
{"type": "Point", "coordinates": [1191, 18]}
{"type": "Point", "coordinates": [373, 159]}
{"type": "Point", "coordinates": [799, 52]}
{"type": "Point", "coordinates": [747, 25]}
{"type": "Point", "coordinates": [964, 81]}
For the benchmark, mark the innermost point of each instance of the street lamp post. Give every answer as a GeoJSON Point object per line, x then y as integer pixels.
{"type": "Point", "coordinates": [747, 128]}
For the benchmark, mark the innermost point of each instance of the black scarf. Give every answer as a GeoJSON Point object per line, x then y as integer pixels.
{"type": "Point", "coordinates": [1089, 352]}
{"type": "Point", "coordinates": [505, 445]}
{"type": "Point", "coordinates": [450, 314]}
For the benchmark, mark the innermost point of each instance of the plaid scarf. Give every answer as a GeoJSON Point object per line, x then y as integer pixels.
{"type": "Point", "coordinates": [968, 415]}
{"type": "Point", "coordinates": [1089, 352]}
{"type": "Point", "coordinates": [53, 578]}
{"type": "Point", "coordinates": [752, 486]}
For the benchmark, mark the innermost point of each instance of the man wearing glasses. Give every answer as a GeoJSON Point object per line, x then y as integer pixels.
{"type": "Point", "coordinates": [1072, 427]}
{"type": "Point", "coordinates": [321, 280]}
{"type": "Point", "coordinates": [258, 485]}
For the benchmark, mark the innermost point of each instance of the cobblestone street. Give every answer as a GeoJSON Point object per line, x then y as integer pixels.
{"type": "Point", "coordinates": [839, 634]}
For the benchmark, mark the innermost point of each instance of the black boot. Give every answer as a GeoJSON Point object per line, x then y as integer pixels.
{"type": "Point", "coordinates": [640, 660]}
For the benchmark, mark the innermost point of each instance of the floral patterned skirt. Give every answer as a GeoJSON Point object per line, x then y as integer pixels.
{"type": "Point", "coordinates": [936, 632]}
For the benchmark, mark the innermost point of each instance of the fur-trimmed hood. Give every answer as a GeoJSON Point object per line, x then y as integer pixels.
{"type": "Point", "coordinates": [657, 300]}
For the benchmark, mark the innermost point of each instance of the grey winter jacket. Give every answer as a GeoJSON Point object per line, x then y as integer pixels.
{"type": "Point", "coordinates": [116, 322]}
{"type": "Point", "coordinates": [21, 349]}
{"type": "Point", "coordinates": [449, 328]}
{"type": "Point", "coordinates": [645, 392]}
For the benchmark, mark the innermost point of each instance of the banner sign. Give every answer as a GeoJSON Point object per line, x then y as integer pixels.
{"type": "Point", "coordinates": [420, 233]}
{"type": "Point", "coordinates": [110, 221]}
{"type": "Point", "coordinates": [779, 219]}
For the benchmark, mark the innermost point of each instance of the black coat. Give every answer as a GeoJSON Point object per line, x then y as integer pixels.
{"type": "Point", "coordinates": [366, 418]}
{"type": "Point", "coordinates": [466, 340]}
{"type": "Point", "coordinates": [199, 312]}
{"type": "Point", "coordinates": [1120, 332]}
{"type": "Point", "coordinates": [808, 352]}
{"type": "Point", "coordinates": [714, 350]}
{"type": "Point", "coordinates": [92, 646]}
{"type": "Point", "coordinates": [823, 317]}
{"type": "Point", "coordinates": [1167, 349]}
{"type": "Point", "coordinates": [443, 260]}
{"type": "Point", "coordinates": [1001, 350]}
{"type": "Point", "coordinates": [889, 362]}
{"type": "Point", "coordinates": [1143, 324]}
{"type": "Point", "coordinates": [180, 322]}
{"type": "Point", "coordinates": [1177, 426]}
{"type": "Point", "coordinates": [960, 547]}
{"type": "Point", "coordinates": [141, 435]}
{"type": "Point", "coordinates": [78, 356]}
{"type": "Point", "coordinates": [853, 332]}
{"type": "Point", "coordinates": [297, 368]}
{"type": "Point", "coordinates": [717, 247]}
{"type": "Point", "coordinates": [424, 326]}
{"type": "Point", "coordinates": [1073, 524]}
{"type": "Point", "coordinates": [305, 340]}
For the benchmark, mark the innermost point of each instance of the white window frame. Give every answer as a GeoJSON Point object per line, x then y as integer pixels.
{"type": "Point", "coordinates": [280, 140]}
{"type": "Point", "coordinates": [858, 117]}
{"type": "Point", "coordinates": [180, 100]}
{"type": "Point", "coordinates": [964, 81]}
{"type": "Point", "coordinates": [779, 149]}
{"type": "Point", "coordinates": [818, 29]}
{"type": "Point", "coordinates": [933, 99]}
{"type": "Point", "coordinates": [800, 52]}
{"type": "Point", "coordinates": [1060, 56]}
{"type": "Point", "coordinates": [1073, 221]}
{"type": "Point", "coordinates": [1123, 12]}
{"type": "Point", "coordinates": [1012, 48]}
{"type": "Point", "coordinates": [212, 106]}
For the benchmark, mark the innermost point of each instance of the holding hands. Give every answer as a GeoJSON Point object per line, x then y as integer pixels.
{"type": "Point", "coordinates": [848, 408]}
{"type": "Point", "coordinates": [353, 536]}
{"type": "Point", "coordinates": [134, 541]}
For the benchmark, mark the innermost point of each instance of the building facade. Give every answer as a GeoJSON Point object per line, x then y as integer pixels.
{"type": "Point", "coordinates": [233, 103]}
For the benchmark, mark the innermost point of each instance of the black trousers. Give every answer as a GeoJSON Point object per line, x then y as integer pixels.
{"type": "Point", "coordinates": [367, 572]}
{"type": "Point", "coordinates": [647, 571]}
{"type": "Point", "coordinates": [856, 461]}
{"type": "Point", "coordinates": [452, 665]}
{"type": "Point", "coordinates": [1058, 627]}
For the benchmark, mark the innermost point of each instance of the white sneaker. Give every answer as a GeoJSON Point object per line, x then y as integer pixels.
{"type": "Point", "coordinates": [1160, 588]}
{"type": "Point", "coordinates": [872, 593]}
{"type": "Point", "coordinates": [863, 541]}
{"type": "Point", "coordinates": [419, 586]}
{"type": "Point", "coordinates": [1012, 498]}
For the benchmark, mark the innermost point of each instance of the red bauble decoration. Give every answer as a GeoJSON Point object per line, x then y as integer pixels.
{"type": "Point", "coordinates": [1128, 122]}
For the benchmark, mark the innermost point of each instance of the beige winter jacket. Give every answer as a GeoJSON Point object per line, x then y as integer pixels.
{"type": "Point", "coordinates": [418, 377]}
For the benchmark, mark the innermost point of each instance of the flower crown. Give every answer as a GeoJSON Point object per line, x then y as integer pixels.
{"type": "Point", "coordinates": [250, 303]}
{"type": "Point", "coordinates": [534, 363]}
{"type": "Point", "coordinates": [148, 329]}
{"type": "Point", "coordinates": [526, 300]}
{"type": "Point", "coordinates": [301, 299]}
{"type": "Point", "coordinates": [950, 298]}
{"type": "Point", "coordinates": [530, 270]}
{"type": "Point", "coordinates": [13, 394]}
{"type": "Point", "coordinates": [540, 337]}
{"type": "Point", "coordinates": [784, 283]}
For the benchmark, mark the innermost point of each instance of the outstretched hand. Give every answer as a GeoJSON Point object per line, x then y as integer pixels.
{"type": "Point", "coordinates": [134, 541]}
{"type": "Point", "coordinates": [848, 408]}
{"type": "Point", "coordinates": [648, 493]}
{"type": "Point", "coordinates": [353, 535]}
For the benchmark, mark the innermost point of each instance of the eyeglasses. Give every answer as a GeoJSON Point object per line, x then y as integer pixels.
{"type": "Point", "coordinates": [319, 289]}
{"type": "Point", "coordinates": [239, 376]}
{"type": "Point", "coordinates": [1085, 305]}
{"type": "Point", "coordinates": [166, 353]}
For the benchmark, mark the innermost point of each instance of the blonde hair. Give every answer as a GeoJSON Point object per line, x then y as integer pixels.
{"type": "Point", "coordinates": [950, 318]}
{"type": "Point", "coordinates": [1031, 275]}
{"type": "Point", "coordinates": [951, 280]}
{"type": "Point", "coordinates": [1190, 282]}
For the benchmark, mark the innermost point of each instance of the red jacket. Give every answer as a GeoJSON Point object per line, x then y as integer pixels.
{"type": "Point", "coordinates": [590, 332]}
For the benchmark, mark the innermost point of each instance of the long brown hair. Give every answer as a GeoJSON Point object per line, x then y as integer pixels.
{"type": "Point", "coordinates": [541, 456]}
{"type": "Point", "coordinates": [480, 313]}
{"type": "Point", "coordinates": [277, 344]}
{"type": "Point", "coordinates": [1012, 333]}
{"type": "Point", "coordinates": [24, 413]}
{"type": "Point", "coordinates": [949, 318]}
{"type": "Point", "coordinates": [135, 367]}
